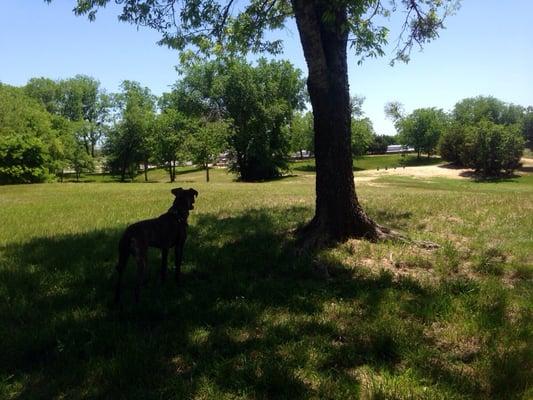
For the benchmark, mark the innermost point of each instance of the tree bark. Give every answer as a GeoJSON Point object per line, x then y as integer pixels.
{"type": "Point", "coordinates": [338, 214]}
{"type": "Point", "coordinates": [206, 172]}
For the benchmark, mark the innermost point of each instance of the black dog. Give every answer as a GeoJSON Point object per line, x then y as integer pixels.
{"type": "Point", "coordinates": [166, 231]}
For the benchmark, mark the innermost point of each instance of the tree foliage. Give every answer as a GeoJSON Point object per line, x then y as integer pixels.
{"type": "Point", "coordinates": [23, 159]}
{"type": "Point", "coordinates": [212, 25]}
{"type": "Point", "coordinates": [29, 143]}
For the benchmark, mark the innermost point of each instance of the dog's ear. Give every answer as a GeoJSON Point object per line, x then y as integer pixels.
{"type": "Point", "coordinates": [176, 191]}
{"type": "Point", "coordinates": [193, 192]}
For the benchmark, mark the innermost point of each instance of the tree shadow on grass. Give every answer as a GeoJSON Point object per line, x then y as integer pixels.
{"type": "Point", "coordinates": [249, 319]}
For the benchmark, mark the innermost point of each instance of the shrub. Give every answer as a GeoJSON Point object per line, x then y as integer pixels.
{"type": "Point", "coordinates": [490, 148]}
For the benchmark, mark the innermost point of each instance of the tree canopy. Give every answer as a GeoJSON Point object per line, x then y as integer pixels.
{"type": "Point", "coordinates": [225, 26]}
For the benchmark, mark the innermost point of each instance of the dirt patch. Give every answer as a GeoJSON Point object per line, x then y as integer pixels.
{"type": "Point", "coordinates": [427, 171]}
{"type": "Point", "coordinates": [431, 171]}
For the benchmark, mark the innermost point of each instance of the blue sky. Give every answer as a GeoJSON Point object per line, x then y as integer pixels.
{"type": "Point", "coordinates": [487, 49]}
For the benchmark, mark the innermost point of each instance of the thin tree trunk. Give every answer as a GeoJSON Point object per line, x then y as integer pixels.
{"type": "Point", "coordinates": [338, 214]}
{"type": "Point", "coordinates": [206, 172]}
{"type": "Point", "coordinates": [146, 171]}
{"type": "Point", "coordinates": [173, 175]}
{"type": "Point", "coordinates": [123, 172]}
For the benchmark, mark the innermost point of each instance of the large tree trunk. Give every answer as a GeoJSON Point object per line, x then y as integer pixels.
{"type": "Point", "coordinates": [338, 214]}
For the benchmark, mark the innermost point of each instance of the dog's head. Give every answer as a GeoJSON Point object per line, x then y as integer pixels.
{"type": "Point", "coordinates": [184, 198]}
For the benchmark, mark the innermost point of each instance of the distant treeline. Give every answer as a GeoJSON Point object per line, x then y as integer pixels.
{"type": "Point", "coordinates": [254, 114]}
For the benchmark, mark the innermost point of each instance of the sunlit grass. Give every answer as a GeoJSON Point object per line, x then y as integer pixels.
{"type": "Point", "coordinates": [255, 320]}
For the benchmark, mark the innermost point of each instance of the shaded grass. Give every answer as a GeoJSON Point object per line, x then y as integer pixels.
{"type": "Point", "coordinates": [252, 319]}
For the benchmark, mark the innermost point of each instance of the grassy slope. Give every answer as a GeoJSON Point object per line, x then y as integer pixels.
{"type": "Point", "coordinates": [252, 319]}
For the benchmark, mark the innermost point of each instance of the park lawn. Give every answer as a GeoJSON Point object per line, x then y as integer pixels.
{"type": "Point", "coordinates": [378, 161]}
{"type": "Point", "coordinates": [153, 175]}
{"type": "Point", "coordinates": [253, 318]}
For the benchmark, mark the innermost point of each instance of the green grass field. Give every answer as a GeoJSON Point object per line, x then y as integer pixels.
{"type": "Point", "coordinates": [254, 320]}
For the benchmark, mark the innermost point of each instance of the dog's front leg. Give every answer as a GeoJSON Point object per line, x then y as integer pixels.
{"type": "Point", "coordinates": [164, 262]}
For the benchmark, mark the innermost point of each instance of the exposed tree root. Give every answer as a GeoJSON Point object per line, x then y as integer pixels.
{"type": "Point", "coordinates": [314, 236]}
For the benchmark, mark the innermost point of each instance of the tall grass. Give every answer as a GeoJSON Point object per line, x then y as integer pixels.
{"type": "Point", "coordinates": [253, 318]}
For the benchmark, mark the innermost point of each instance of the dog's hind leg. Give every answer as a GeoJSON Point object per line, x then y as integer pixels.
{"type": "Point", "coordinates": [164, 262]}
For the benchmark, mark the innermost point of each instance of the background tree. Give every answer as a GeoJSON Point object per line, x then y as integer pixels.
{"type": "Point", "coordinates": [362, 128]}
{"type": "Point", "coordinates": [300, 131]}
{"type": "Point", "coordinates": [76, 99]}
{"type": "Point", "coordinates": [395, 111]}
{"type": "Point", "coordinates": [172, 130]}
{"type": "Point", "coordinates": [128, 144]}
{"type": "Point", "coordinates": [76, 154]}
{"type": "Point", "coordinates": [362, 136]}
{"type": "Point", "coordinates": [207, 140]}
{"type": "Point", "coordinates": [422, 129]}
{"type": "Point", "coordinates": [259, 100]}
{"type": "Point", "coordinates": [325, 28]}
